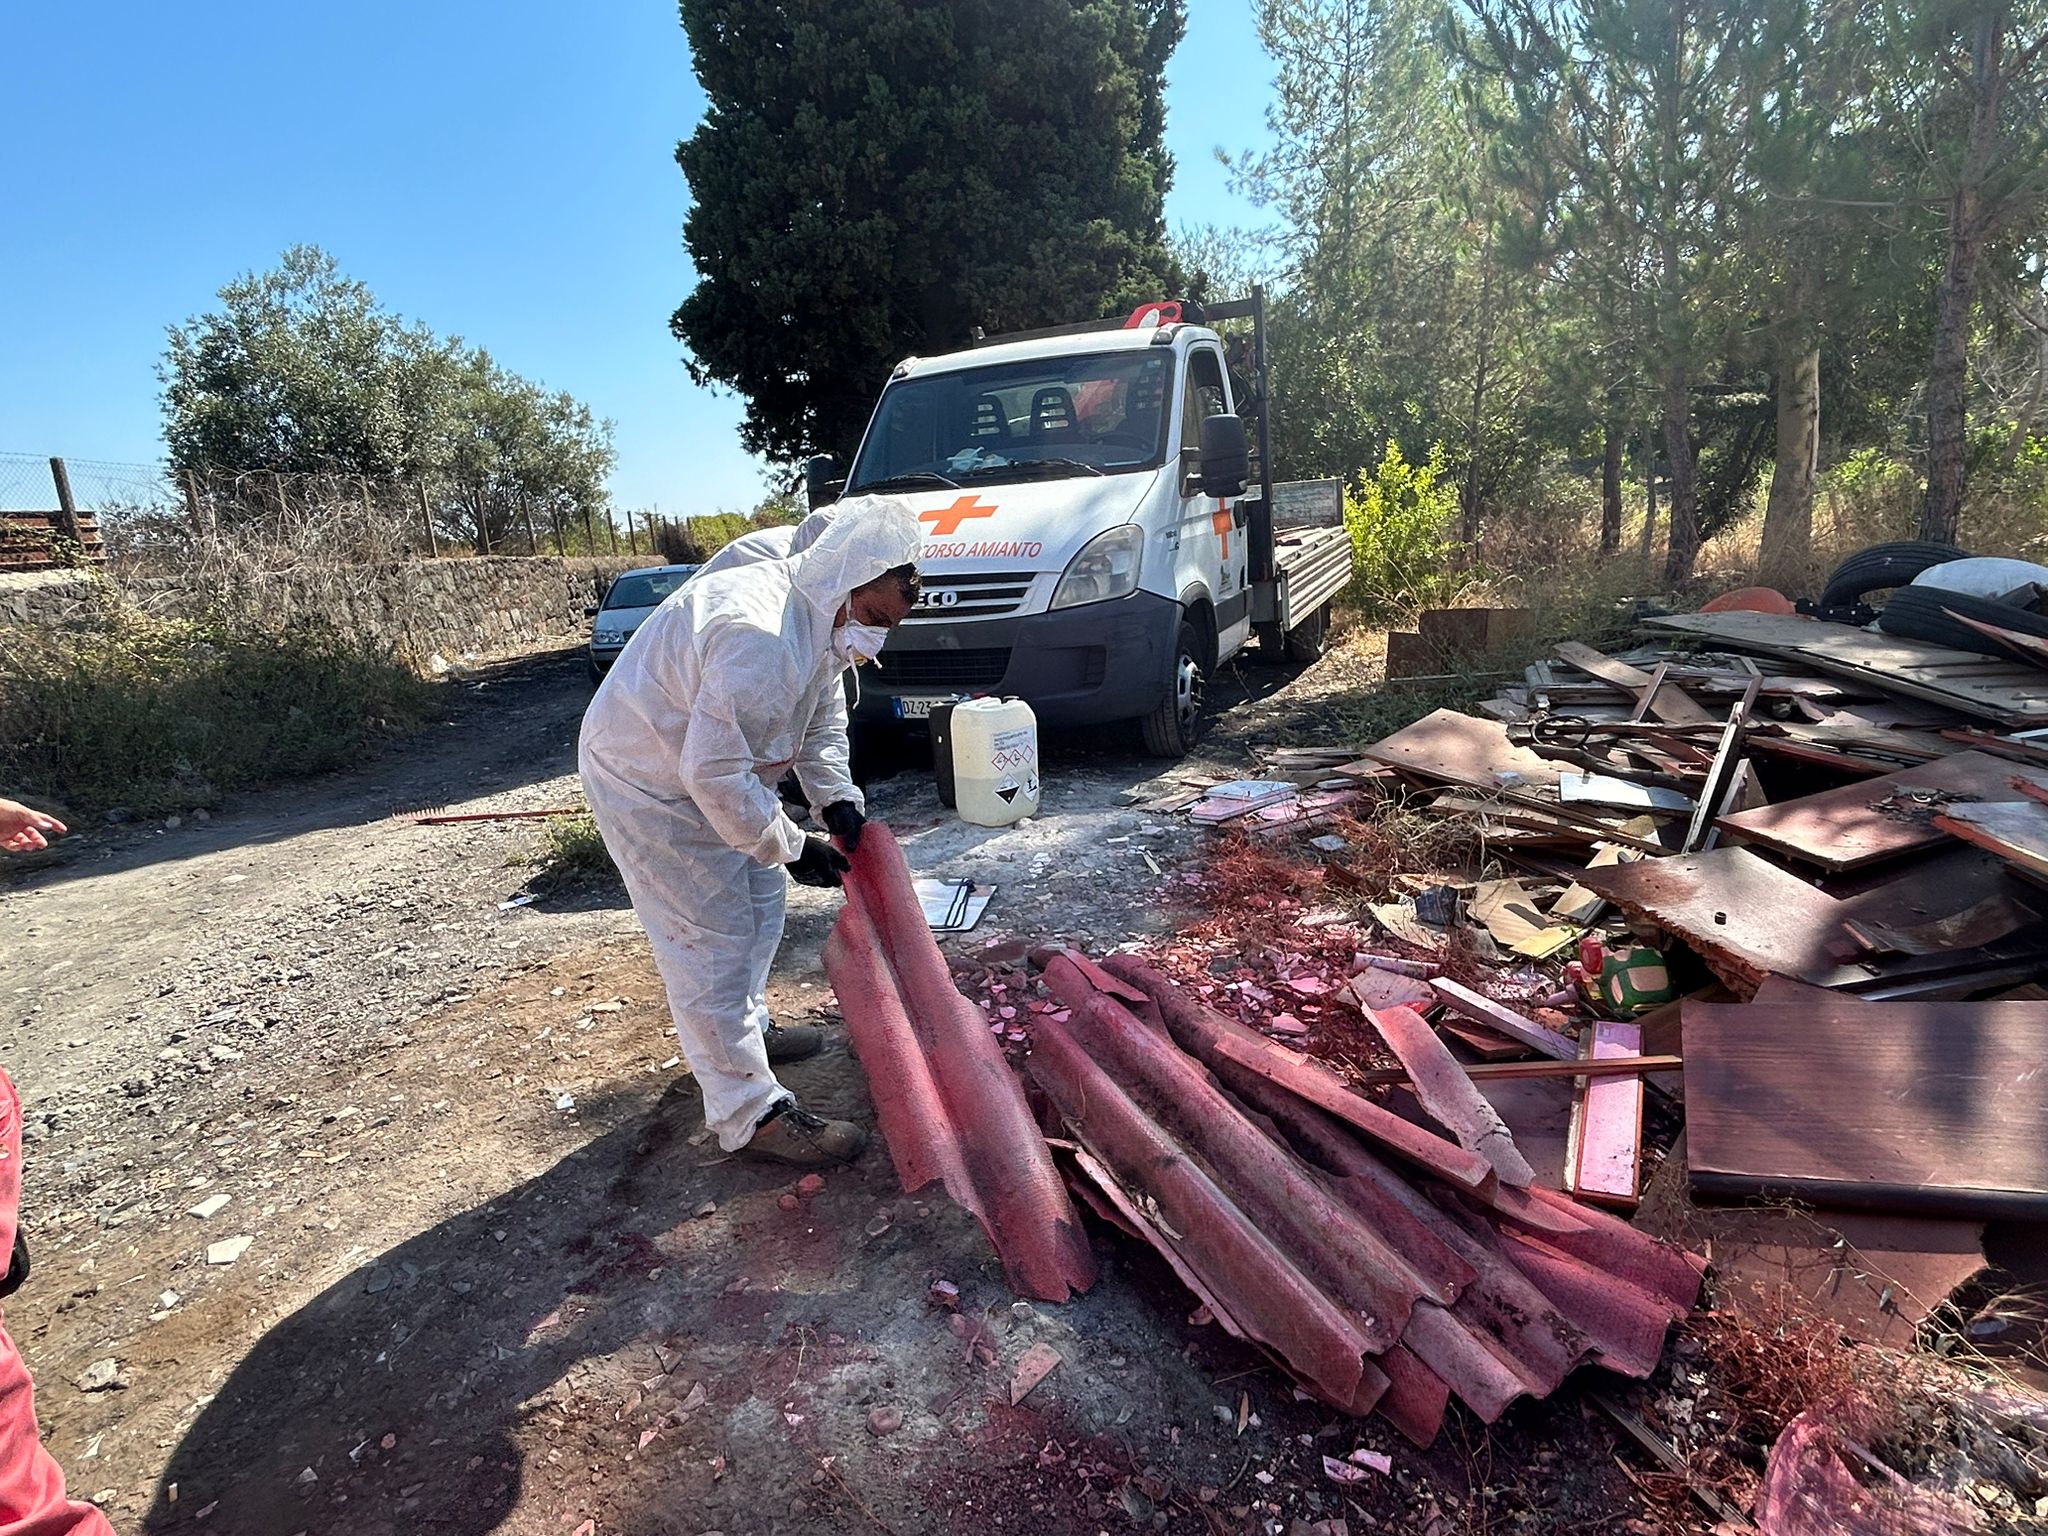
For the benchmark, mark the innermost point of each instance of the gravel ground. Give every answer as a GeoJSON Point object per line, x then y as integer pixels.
{"type": "Point", "coordinates": [362, 1200]}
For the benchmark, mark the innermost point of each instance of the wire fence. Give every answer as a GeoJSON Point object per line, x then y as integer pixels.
{"type": "Point", "coordinates": [149, 519]}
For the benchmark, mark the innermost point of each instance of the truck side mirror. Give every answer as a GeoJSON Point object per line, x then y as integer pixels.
{"type": "Point", "coordinates": [823, 481]}
{"type": "Point", "coordinates": [1226, 457]}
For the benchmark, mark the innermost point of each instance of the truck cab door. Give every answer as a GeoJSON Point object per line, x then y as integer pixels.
{"type": "Point", "coordinates": [1213, 545]}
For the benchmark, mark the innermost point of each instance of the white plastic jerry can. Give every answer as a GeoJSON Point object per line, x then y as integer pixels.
{"type": "Point", "coordinates": [995, 761]}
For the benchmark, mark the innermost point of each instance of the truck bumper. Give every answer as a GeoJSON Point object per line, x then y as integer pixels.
{"type": "Point", "coordinates": [1077, 666]}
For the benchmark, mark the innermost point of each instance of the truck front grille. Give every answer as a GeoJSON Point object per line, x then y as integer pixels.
{"type": "Point", "coordinates": [974, 596]}
{"type": "Point", "coordinates": [943, 669]}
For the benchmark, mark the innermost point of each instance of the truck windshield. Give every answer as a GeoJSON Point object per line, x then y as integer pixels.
{"type": "Point", "coordinates": [1102, 414]}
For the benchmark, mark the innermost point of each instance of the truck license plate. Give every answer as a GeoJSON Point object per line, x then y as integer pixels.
{"type": "Point", "coordinates": [914, 709]}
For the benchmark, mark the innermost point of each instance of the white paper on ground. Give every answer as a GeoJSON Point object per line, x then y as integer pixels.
{"type": "Point", "coordinates": [952, 906]}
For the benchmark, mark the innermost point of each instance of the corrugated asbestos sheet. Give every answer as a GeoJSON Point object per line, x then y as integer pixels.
{"type": "Point", "coordinates": [1378, 1290]}
{"type": "Point", "coordinates": [949, 1106]}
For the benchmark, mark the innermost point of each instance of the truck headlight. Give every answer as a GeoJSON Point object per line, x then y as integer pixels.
{"type": "Point", "coordinates": [609, 637]}
{"type": "Point", "coordinates": [1106, 567]}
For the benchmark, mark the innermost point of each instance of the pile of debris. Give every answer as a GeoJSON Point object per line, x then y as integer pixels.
{"type": "Point", "coordinates": [1270, 1187]}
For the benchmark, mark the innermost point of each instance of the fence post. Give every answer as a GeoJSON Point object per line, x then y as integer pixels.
{"type": "Point", "coordinates": [191, 483]}
{"type": "Point", "coordinates": [589, 532]}
{"type": "Point", "coordinates": [526, 511]}
{"type": "Point", "coordinates": [67, 509]}
{"type": "Point", "coordinates": [555, 517]}
{"type": "Point", "coordinates": [632, 540]}
{"type": "Point", "coordinates": [427, 518]}
{"type": "Point", "coordinates": [611, 532]}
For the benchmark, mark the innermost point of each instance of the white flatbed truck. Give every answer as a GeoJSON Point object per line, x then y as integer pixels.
{"type": "Point", "coordinates": [1100, 524]}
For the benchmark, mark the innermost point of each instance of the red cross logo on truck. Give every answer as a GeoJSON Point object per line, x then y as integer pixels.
{"type": "Point", "coordinates": [946, 521]}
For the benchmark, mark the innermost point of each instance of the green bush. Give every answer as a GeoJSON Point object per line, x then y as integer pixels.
{"type": "Point", "coordinates": [572, 849]}
{"type": "Point", "coordinates": [713, 532]}
{"type": "Point", "coordinates": [155, 715]}
{"type": "Point", "coordinates": [1400, 519]}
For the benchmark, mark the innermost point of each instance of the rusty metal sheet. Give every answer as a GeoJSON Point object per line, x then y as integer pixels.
{"type": "Point", "coordinates": [1916, 1108]}
{"type": "Point", "coordinates": [949, 1106]}
{"type": "Point", "coordinates": [1857, 824]}
{"type": "Point", "coordinates": [1743, 915]}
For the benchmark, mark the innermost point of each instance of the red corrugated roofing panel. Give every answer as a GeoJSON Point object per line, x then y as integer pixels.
{"type": "Point", "coordinates": [949, 1106]}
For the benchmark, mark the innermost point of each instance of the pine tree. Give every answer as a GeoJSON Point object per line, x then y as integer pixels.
{"type": "Point", "coordinates": [874, 178]}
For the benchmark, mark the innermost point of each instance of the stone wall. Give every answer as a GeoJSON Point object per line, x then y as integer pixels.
{"type": "Point", "coordinates": [418, 608]}
{"type": "Point", "coordinates": [51, 599]}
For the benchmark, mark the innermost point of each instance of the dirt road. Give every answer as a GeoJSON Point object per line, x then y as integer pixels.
{"type": "Point", "coordinates": [392, 1210]}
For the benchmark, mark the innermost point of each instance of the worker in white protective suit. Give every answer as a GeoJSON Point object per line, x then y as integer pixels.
{"type": "Point", "coordinates": [732, 681]}
{"type": "Point", "coordinates": [777, 543]}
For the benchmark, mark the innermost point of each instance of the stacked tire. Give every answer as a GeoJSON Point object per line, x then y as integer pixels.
{"type": "Point", "coordinates": [1926, 613]}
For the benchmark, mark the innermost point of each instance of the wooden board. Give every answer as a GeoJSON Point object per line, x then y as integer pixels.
{"type": "Point", "coordinates": [1936, 1109]}
{"type": "Point", "coordinates": [1874, 819]}
{"type": "Point", "coordinates": [2015, 830]}
{"type": "Point", "coordinates": [1667, 704]}
{"type": "Point", "coordinates": [1447, 747]}
{"type": "Point", "coordinates": [1876, 1276]}
{"type": "Point", "coordinates": [1465, 1002]}
{"type": "Point", "coordinates": [1604, 1161]}
{"type": "Point", "coordinates": [1744, 916]}
{"type": "Point", "coordinates": [2006, 692]}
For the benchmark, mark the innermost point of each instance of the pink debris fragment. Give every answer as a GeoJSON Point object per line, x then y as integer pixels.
{"type": "Point", "coordinates": [1342, 1471]}
{"type": "Point", "coordinates": [1285, 1024]}
{"type": "Point", "coordinates": [788, 1202]}
{"type": "Point", "coordinates": [810, 1184]}
{"type": "Point", "coordinates": [944, 1293]}
{"type": "Point", "coordinates": [1033, 1366]}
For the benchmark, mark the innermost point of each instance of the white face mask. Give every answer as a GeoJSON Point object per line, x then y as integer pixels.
{"type": "Point", "coordinates": [855, 643]}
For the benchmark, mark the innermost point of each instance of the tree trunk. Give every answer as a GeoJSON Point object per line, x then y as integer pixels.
{"type": "Point", "coordinates": [1470, 497]}
{"type": "Point", "coordinates": [1948, 383]}
{"type": "Point", "coordinates": [1610, 492]}
{"type": "Point", "coordinates": [1685, 487]}
{"type": "Point", "coordinates": [1788, 515]}
{"type": "Point", "coordinates": [1956, 300]}
{"type": "Point", "coordinates": [1649, 541]}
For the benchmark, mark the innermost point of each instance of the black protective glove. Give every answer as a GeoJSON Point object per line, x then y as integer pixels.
{"type": "Point", "coordinates": [843, 820]}
{"type": "Point", "coordinates": [819, 864]}
{"type": "Point", "coordinates": [17, 1267]}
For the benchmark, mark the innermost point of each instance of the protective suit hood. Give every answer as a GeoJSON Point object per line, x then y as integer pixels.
{"type": "Point", "coordinates": [867, 535]}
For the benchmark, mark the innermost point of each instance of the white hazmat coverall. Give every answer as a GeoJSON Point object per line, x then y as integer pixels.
{"type": "Point", "coordinates": [777, 543]}
{"type": "Point", "coordinates": [726, 686]}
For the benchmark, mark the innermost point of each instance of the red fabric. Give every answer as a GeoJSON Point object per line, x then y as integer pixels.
{"type": "Point", "coordinates": [32, 1501]}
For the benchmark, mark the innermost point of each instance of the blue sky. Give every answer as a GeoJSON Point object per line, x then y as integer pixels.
{"type": "Point", "coordinates": [501, 171]}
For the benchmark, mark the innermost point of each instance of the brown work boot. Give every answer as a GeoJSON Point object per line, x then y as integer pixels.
{"type": "Point", "coordinates": [792, 1134]}
{"type": "Point", "coordinates": [793, 1042]}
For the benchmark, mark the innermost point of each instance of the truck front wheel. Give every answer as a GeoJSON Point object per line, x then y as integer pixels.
{"type": "Point", "coordinates": [1170, 730]}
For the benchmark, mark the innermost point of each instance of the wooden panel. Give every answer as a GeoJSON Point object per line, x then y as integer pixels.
{"type": "Point", "coordinates": [1878, 1276]}
{"type": "Point", "coordinates": [2016, 830]}
{"type": "Point", "coordinates": [1918, 1108]}
{"type": "Point", "coordinates": [2007, 692]}
{"type": "Point", "coordinates": [1607, 1121]}
{"type": "Point", "coordinates": [1668, 704]}
{"type": "Point", "coordinates": [1745, 917]}
{"type": "Point", "coordinates": [1873, 819]}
